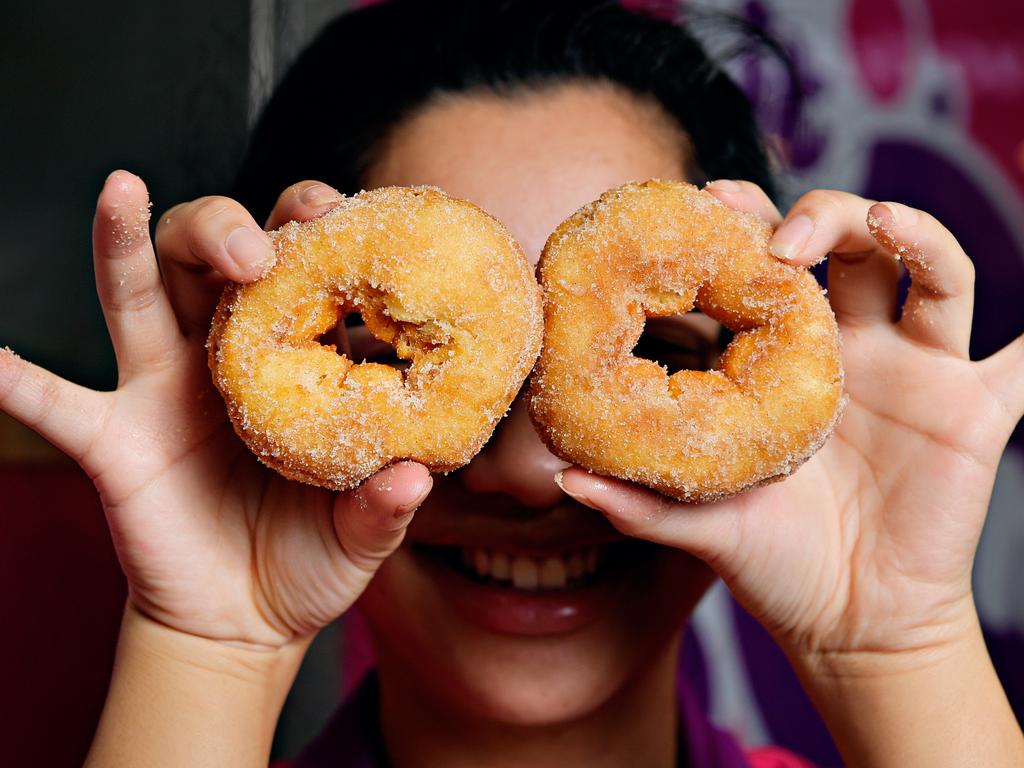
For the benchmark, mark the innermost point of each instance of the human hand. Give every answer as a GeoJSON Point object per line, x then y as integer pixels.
{"type": "Point", "coordinates": [862, 559]}
{"type": "Point", "coordinates": [212, 543]}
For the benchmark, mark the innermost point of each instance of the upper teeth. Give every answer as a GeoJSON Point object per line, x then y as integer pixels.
{"type": "Point", "coordinates": [550, 572]}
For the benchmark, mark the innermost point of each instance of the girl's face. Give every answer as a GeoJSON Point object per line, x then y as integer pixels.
{"type": "Point", "coordinates": [508, 600]}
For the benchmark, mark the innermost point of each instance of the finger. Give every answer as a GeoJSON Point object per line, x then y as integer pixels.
{"type": "Point", "coordinates": [862, 277]}
{"type": "Point", "coordinates": [1003, 373]}
{"type": "Point", "coordinates": [820, 222]}
{"type": "Point", "coordinates": [303, 201]}
{"type": "Point", "coordinates": [67, 415]}
{"type": "Point", "coordinates": [202, 245]}
{"type": "Point", "coordinates": [139, 315]}
{"type": "Point", "coordinates": [940, 302]}
{"type": "Point", "coordinates": [706, 531]}
{"type": "Point", "coordinates": [370, 522]}
{"type": "Point", "coordinates": [214, 233]}
{"type": "Point", "coordinates": [745, 196]}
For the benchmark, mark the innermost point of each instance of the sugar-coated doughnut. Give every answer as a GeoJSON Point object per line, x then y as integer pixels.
{"type": "Point", "coordinates": [437, 278]}
{"type": "Point", "coordinates": [660, 248]}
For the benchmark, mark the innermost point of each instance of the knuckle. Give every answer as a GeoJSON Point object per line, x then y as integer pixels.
{"type": "Point", "coordinates": [641, 516]}
{"type": "Point", "coordinates": [947, 247]}
{"type": "Point", "coordinates": [630, 526]}
{"type": "Point", "coordinates": [207, 226]}
{"type": "Point", "coordinates": [13, 374]}
{"type": "Point", "coordinates": [290, 202]}
{"type": "Point", "coordinates": [823, 200]}
{"type": "Point", "coordinates": [47, 400]}
{"type": "Point", "coordinates": [750, 188]}
{"type": "Point", "coordinates": [210, 209]}
{"type": "Point", "coordinates": [292, 192]}
{"type": "Point", "coordinates": [185, 227]}
{"type": "Point", "coordinates": [170, 218]}
{"type": "Point", "coordinates": [141, 297]}
{"type": "Point", "coordinates": [290, 199]}
{"type": "Point", "coordinates": [365, 550]}
{"type": "Point", "coordinates": [367, 557]}
{"type": "Point", "coordinates": [828, 203]}
{"type": "Point", "coordinates": [969, 272]}
{"type": "Point", "coordinates": [199, 243]}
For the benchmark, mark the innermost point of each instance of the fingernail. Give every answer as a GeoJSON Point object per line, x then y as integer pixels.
{"type": "Point", "coordinates": [248, 249]}
{"type": "Point", "coordinates": [580, 497]}
{"type": "Point", "coordinates": [725, 185]}
{"type": "Point", "coordinates": [319, 194]}
{"type": "Point", "coordinates": [791, 237]}
{"type": "Point", "coordinates": [406, 510]}
{"type": "Point", "coordinates": [902, 215]}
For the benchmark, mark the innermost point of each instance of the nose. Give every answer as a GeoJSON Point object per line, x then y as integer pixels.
{"type": "Point", "coordinates": [517, 463]}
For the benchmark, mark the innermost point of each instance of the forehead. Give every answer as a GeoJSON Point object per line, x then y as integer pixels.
{"type": "Point", "coordinates": [532, 157]}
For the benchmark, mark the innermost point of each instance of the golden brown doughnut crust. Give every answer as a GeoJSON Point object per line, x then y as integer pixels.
{"type": "Point", "coordinates": [660, 248]}
{"type": "Point", "coordinates": [437, 278]}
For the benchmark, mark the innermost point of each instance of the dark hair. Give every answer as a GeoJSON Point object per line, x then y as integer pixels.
{"type": "Point", "coordinates": [371, 68]}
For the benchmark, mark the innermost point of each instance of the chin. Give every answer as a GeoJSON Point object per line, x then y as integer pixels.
{"type": "Point", "coordinates": [493, 640]}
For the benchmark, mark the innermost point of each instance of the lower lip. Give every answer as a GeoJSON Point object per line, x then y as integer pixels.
{"type": "Point", "coordinates": [510, 611]}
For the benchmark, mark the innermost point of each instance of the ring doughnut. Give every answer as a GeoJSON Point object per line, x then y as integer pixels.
{"type": "Point", "coordinates": [437, 278]}
{"type": "Point", "coordinates": [655, 249]}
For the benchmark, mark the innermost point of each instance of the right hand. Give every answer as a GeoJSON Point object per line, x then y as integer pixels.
{"type": "Point", "coordinates": [212, 543]}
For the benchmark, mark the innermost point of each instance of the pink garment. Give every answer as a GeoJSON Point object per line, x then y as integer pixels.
{"type": "Point", "coordinates": [774, 757]}
{"type": "Point", "coordinates": [765, 757]}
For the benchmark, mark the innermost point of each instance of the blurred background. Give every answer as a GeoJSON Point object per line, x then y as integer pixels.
{"type": "Point", "coordinates": [920, 101]}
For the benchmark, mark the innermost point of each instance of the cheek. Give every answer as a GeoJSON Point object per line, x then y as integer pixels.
{"type": "Point", "coordinates": [527, 681]}
{"type": "Point", "coordinates": [393, 605]}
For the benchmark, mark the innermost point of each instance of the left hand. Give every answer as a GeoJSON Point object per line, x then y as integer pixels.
{"type": "Point", "coordinates": [865, 554]}
{"type": "Point", "coordinates": [213, 544]}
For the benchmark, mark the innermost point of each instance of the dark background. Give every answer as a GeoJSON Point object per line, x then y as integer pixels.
{"type": "Point", "coordinates": [157, 88]}
{"type": "Point", "coordinates": [166, 90]}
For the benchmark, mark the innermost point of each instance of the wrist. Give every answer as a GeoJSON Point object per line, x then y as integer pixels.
{"type": "Point", "coordinates": [213, 636]}
{"type": "Point", "coordinates": [888, 646]}
{"type": "Point", "coordinates": [827, 666]}
{"type": "Point", "coordinates": [171, 691]}
{"type": "Point", "coordinates": [271, 668]}
{"type": "Point", "coordinates": [933, 705]}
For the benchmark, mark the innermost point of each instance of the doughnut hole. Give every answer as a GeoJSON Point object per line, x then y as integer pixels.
{"type": "Point", "coordinates": [682, 342]}
{"type": "Point", "coordinates": [352, 338]}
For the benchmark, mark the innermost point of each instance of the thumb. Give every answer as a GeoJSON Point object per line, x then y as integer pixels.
{"type": "Point", "coordinates": [370, 522]}
{"type": "Point", "coordinates": [706, 531]}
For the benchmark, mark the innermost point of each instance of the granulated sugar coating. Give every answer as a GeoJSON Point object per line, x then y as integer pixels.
{"type": "Point", "coordinates": [657, 249]}
{"type": "Point", "coordinates": [435, 277]}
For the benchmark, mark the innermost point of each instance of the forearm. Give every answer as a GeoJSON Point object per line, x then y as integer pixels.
{"type": "Point", "coordinates": [942, 708]}
{"type": "Point", "coordinates": [180, 700]}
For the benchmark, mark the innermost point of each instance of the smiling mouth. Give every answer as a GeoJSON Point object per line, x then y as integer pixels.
{"type": "Point", "coordinates": [535, 588]}
{"type": "Point", "coordinates": [566, 570]}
